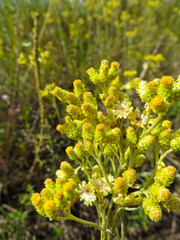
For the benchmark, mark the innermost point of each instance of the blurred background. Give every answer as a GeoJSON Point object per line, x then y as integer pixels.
{"type": "Point", "coordinates": [47, 43]}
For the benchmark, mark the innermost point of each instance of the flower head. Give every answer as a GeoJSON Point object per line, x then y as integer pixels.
{"type": "Point", "coordinates": [124, 110]}
{"type": "Point", "coordinates": [87, 193]}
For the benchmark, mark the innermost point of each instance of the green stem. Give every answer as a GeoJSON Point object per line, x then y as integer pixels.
{"type": "Point", "coordinates": [103, 171]}
{"type": "Point", "coordinates": [114, 221]}
{"type": "Point", "coordinates": [85, 222]}
{"type": "Point", "coordinates": [45, 22]}
{"type": "Point", "coordinates": [122, 217]}
{"type": "Point", "coordinates": [37, 77]}
{"type": "Point", "coordinates": [113, 164]}
{"type": "Point", "coordinates": [164, 155]}
{"type": "Point", "coordinates": [117, 156]}
{"type": "Point", "coordinates": [121, 166]}
{"type": "Point", "coordinates": [98, 160]}
{"type": "Point", "coordinates": [109, 211]}
{"type": "Point", "coordinates": [57, 111]}
{"type": "Point", "coordinates": [153, 125]}
{"type": "Point", "coordinates": [103, 233]}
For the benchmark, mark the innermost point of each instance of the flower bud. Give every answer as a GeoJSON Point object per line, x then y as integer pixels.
{"type": "Point", "coordinates": [71, 153]}
{"type": "Point", "coordinates": [120, 186]}
{"type": "Point", "coordinates": [60, 128]}
{"type": "Point", "coordinates": [152, 86]}
{"type": "Point", "coordinates": [175, 144]}
{"type": "Point", "coordinates": [80, 150]}
{"type": "Point", "coordinates": [89, 110]}
{"type": "Point", "coordinates": [69, 190]}
{"type": "Point", "coordinates": [167, 81]}
{"type": "Point", "coordinates": [158, 104]}
{"type": "Point", "coordinates": [139, 160]}
{"type": "Point", "coordinates": [59, 195]}
{"type": "Point", "coordinates": [50, 209]}
{"type": "Point", "coordinates": [152, 209]}
{"type": "Point", "coordinates": [75, 112]}
{"type": "Point", "coordinates": [165, 176]}
{"type": "Point", "coordinates": [59, 200]}
{"type": "Point", "coordinates": [88, 98]}
{"type": "Point", "coordinates": [172, 204]}
{"type": "Point", "coordinates": [61, 179]}
{"type": "Point", "coordinates": [93, 75]}
{"type": "Point", "coordinates": [87, 132]}
{"type": "Point", "coordinates": [66, 168]}
{"type": "Point", "coordinates": [113, 71]}
{"type": "Point", "coordinates": [79, 88]}
{"type": "Point", "coordinates": [110, 101]}
{"type": "Point", "coordinates": [99, 135]}
{"type": "Point", "coordinates": [135, 83]}
{"type": "Point", "coordinates": [100, 116]}
{"type": "Point", "coordinates": [49, 206]}
{"type": "Point", "coordinates": [68, 187]}
{"type": "Point", "coordinates": [166, 124]}
{"type": "Point", "coordinates": [145, 143]}
{"type": "Point", "coordinates": [159, 192]}
{"type": "Point", "coordinates": [165, 88]}
{"type": "Point", "coordinates": [60, 94]}
{"type": "Point", "coordinates": [36, 199]}
{"type": "Point", "coordinates": [103, 71]}
{"type": "Point", "coordinates": [130, 176]}
{"type": "Point", "coordinates": [113, 135]}
{"type": "Point", "coordinates": [113, 90]}
{"type": "Point", "coordinates": [49, 184]}
{"type": "Point", "coordinates": [155, 213]}
{"type": "Point", "coordinates": [165, 137]}
{"type": "Point", "coordinates": [131, 137]}
{"type": "Point", "coordinates": [73, 99]}
{"type": "Point", "coordinates": [89, 146]}
{"type": "Point", "coordinates": [45, 193]}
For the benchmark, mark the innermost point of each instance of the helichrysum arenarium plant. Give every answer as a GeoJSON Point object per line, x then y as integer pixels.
{"type": "Point", "coordinates": [111, 144]}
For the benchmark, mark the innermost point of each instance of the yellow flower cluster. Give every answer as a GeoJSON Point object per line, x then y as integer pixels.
{"type": "Point", "coordinates": [159, 196]}
{"type": "Point", "coordinates": [108, 147]}
{"type": "Point", "coordinates": [57, 196]}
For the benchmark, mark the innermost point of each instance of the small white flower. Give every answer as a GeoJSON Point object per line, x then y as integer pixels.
{"type": "Point", "coordinates": [87, 193]}
{"type": "Point", "coordinates": [137, 118]}
{"type": "Point", "coordinates": [142, 88]}
{"type": "Point", "coordinates": [101, 186]}
{"type": "Point", "coordinates": [60, 174]}
{"type": "Point", "coordinates": [124, 110]}
{"type": "Point", "coordinates": [111, 178]}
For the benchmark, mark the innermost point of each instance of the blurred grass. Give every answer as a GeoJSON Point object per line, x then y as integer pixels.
{"type": "Point", "coordinates": [143, 36]}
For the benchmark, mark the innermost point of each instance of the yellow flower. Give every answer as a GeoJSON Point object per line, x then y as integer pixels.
{"type": "Point", "coordinates": [167, 81]}
{"type": "Point", "coordinates": [116, 23]}
{"type": "Point", "coordinates": [157, 103]}
{"type": "Point", "coordinates": [36, 199]}
{"type": "Point", "coordinates": [45, 193]}
{"type": "Point", "coordinates": [49, 206]}
{"type": "Point", "coordinates": [68, 187]}
{"type": "Point", "coordinates": [21, 59]}
{"type": "Point", "coordinates": [130, 73]}
{"type": "Point", "coordinates": [120, 186]}
{"type": "Point", "coordinates": [86, 35]}
{"type": "Point", "coordinates": [153, 3]}
{"type": "Point", "coordinates": [155, 58]}
{"type": "Point", "coordinates": [131, 33]}
{"type": "Point", "coordinates": [80, 21]}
